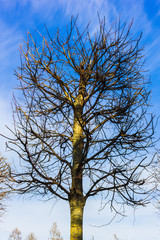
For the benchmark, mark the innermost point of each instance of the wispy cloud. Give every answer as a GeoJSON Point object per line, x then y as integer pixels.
{"type": "Point", "coordinates": [9, 42]}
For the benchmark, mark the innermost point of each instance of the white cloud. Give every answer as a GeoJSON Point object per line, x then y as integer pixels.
{"type": "Point", "coordinates": [9, 44]}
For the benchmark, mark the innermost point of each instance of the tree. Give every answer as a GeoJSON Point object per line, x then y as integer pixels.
{"type": "Point", "coordinates": [55, 233]}
{"type": "Point", "coordinates": [115, 237]}
{"type": "Point", "coordinates": [82, 126]}
{"type": "Point", "coordinates": [15, 235]}
{"type": "Point", "coordinates": [31, 236]}
{"type": "Point", "coordinates": [4, 172]}
{"type": "Point", "coordinates": [155, 176]}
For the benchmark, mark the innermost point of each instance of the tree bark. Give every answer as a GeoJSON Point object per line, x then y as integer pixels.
{"type": "Point", "coordinates": [77, 200]}
{"type": "Point", "coordinates": [76, 212]}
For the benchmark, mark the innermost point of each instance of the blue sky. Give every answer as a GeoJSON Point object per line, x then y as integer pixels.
{"type": "Point", "coordinates": [17, 17]}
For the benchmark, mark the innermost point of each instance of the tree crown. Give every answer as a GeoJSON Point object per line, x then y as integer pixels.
{"type": "Point", "coordinates": [83, 115]}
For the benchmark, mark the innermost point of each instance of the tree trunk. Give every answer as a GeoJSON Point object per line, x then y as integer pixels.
{"type": "Point", "coordinates": [77, 200]}
{"type": "Point", "coordinates": [76, 212]}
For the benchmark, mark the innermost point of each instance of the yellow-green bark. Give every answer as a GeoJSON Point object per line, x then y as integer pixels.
{"type": "Point", "coordinates": [76, 213]}
{"type": "Point", "coordinates": [77, 201]}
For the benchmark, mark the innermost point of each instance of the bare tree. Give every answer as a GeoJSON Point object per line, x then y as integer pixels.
{"type": "Point", "coordinates": [4, 172]}
{"type": "Point", "coordinates": [115, 237]}
{"type": "Point", "coordinates": [155, 176]}
{"type": "Point", "coordinates": [55, 233]}
{"type": "Point", "coordinates": [15, 235]}
{"type": "Point", "coordinates": [31, 236]}
{"type": "Point", "coordinates": [82, 126]}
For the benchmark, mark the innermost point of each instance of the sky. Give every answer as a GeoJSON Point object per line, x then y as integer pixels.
{"type": "Point", "coordinates": [17, 17]}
